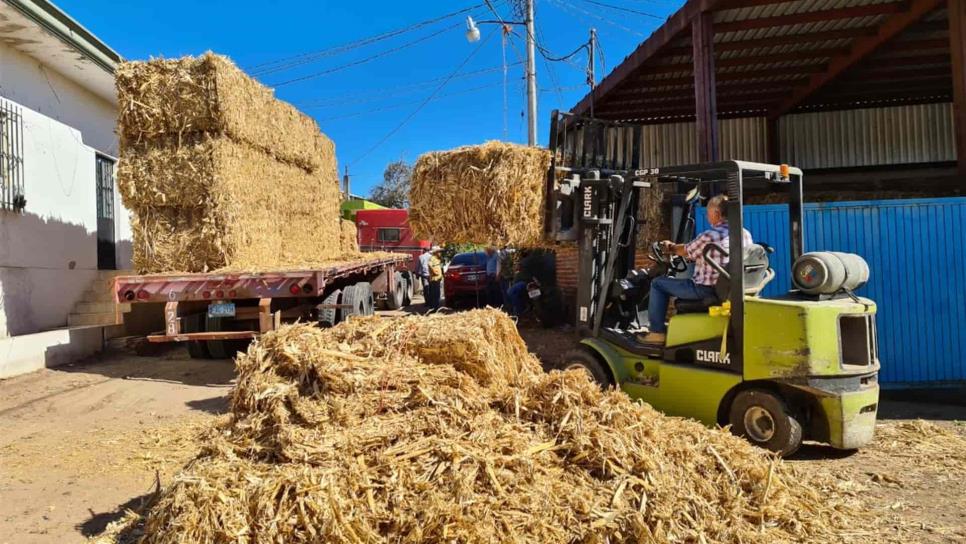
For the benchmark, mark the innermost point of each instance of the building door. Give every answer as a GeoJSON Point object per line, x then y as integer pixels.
{"type": "Point", "coordinates": [106, 246]}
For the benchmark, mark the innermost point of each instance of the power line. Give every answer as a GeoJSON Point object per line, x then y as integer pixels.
{"type": "Point", "coordinates": [358, 98]}
{"type": "Point", "coordinates": [365, 60]}
{"type": "Point", "coordinates": [410, 102]}
{"type": "Point", "coordinates": [628, 10]}
{"type": "Point", "coordinates": [287, 63]}
{"type": "Point", "coordinates": [426, 101]}
{"type": "Point", "coordinates": [567, 7]}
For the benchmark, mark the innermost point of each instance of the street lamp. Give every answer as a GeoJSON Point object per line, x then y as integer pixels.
{"type": "Point", "coordinates": [473, 35]}
{"type": "Point", "coordinates": [472, 31]}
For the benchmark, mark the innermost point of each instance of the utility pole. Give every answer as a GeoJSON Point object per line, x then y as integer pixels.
{"type": "Point", "coordinates": [531, 77]}
{"type": "Point", "coordinates": [591, 76]}
{"type": "Point", "coordinates": [345, 183]}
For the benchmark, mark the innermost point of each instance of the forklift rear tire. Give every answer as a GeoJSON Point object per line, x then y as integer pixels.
{"type": "Point", "coordinates": [581, 359]}
{"type": "Point", "coordinates": [763, 418]}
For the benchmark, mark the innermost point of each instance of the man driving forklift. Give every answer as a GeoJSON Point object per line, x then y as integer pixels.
{"type": "Point", "coordinates": [701, 285]}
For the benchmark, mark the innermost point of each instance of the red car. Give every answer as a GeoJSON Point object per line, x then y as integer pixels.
{"type": "Point", "coordinates": [465, 278]}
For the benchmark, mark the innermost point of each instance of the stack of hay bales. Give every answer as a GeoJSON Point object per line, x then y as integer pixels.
{"type": "Point", "coordinates": [444, 429]}
{"type": "Point", "coordinates": [219, 173]}
{"type": "Point", "coordinates": [487, 194]}
{"type": "Point", "coordinates": [349, 235]}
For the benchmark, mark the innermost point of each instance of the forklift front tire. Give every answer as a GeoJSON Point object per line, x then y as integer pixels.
{"type": "Point", "coordinates": [763, 418]}
{"type": "Point", "coordinates": [581, 359]}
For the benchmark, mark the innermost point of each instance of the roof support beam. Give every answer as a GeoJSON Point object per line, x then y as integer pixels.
{"type": "Point", "coordinates": [705, 96]}
{"type": "Point", "coordinates": [811, 17]}
{"type": "Point", "coordinates": [861, 49]}
{"type": "Point", "coordinates": [775, 41]}
{"type": "Point", "coordinates": [957, 42]}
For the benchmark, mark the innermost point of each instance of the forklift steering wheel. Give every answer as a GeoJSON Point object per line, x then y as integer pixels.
{"type": "Point", "coordinates": [675, 263]}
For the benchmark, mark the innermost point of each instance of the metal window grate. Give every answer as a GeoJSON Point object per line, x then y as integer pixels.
{"type": "Point", "coordinates": [105, 187]}
{"type": "Point", "coordinates": [11, 158]}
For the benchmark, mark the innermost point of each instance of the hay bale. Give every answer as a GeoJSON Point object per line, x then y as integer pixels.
{"type": "Point", "coordinates": [216, 203]}
{"type": "Point", "coordinates": [203, 168]}
{"type": "Point", "coordinates": [349, 235]}
{"type": "Point", "coordinates": [444, 429]}
{"type": "Point", "coordinates": [486, 194]}
{"type": "Point", "coordinates": [163, 97]}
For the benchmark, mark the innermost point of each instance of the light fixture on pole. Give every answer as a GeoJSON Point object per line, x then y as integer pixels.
{"type": "Point", "coordinates": [472, 31]}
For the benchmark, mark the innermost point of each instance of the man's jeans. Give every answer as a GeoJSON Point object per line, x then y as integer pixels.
{"type": "Point", "coordinates": [662, 289]}
{"type": "Point", "coordinates": [517, 293]}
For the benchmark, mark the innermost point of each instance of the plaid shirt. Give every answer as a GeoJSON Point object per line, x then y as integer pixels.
{"type": "Point", "coordinates": [703, 273]}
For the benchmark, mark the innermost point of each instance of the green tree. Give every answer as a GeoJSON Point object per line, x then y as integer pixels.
{"type": "Point", "coordinates": [393, 192]}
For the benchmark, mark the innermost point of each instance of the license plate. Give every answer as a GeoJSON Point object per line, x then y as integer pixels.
{"type": "Point", "coordinates": [534, 293]}
{"type": "Point", "coordinates": [221, 309]}
{"type": "Point", "coordinates": [471, 277]}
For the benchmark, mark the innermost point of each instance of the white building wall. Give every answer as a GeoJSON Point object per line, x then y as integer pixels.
{"type": "Point", "coordinates": [48, 253]}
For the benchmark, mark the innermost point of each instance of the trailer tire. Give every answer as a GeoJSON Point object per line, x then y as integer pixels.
{"type": "Point", "coordinates": [763, 418]}
{"type": "Point", "coordinates": [353, 302]}
{"type": "Point", "coordinates": [195, 323]}
{"type": "Point", "coordinates": [364, 289]}
{"type": "Point", "coordinates": [217, 349]}
{"type": "Point", "coordinates": [329, 317]}
{"type": "Point", "coordinates": [410, 290]}
{"type": "Point", "coordinates": [397, 299]}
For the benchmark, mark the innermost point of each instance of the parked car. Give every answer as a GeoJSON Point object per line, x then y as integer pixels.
{"type": "Point", "coordinates": [465, 278]}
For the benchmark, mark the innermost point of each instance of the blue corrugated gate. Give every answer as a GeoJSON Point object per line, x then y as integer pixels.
{"type": "Point", "coordinates": [916, 250]}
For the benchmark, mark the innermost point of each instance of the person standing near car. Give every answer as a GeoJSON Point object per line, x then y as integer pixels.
{"type": "Point", "coordinates": [422, 268]}
{"type": "Point", "coordinates": [494, 294]}
{"type": "Point", "coordinates": [434, 278]}
{"type": "Point", "coordinates": [537, 266]}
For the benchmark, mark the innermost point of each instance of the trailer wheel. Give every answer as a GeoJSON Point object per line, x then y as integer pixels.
{"type": "Point", "coordinates": [218, 349]}
{"type": "Point", "coordinates": [763, 418]}
{"type": "Point", "coordinates": [328, 317]}
{"type": "Point", "coordinates": [195, 323]}
{"type": "Point", "coordinates": [353, 302]}
{"type": "Point", "coordinates": [364, 289]}
{"type": "Point", "coordinates": [410, 290]}
{"type": "Point", "coordinates": [397, 299]}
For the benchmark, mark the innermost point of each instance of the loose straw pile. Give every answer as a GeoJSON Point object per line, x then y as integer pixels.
{"type": "Point", "coordinates": [444, 429]}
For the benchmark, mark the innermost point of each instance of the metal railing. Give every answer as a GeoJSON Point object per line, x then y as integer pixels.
{"type": "Point", "coordinates": [11, 158]}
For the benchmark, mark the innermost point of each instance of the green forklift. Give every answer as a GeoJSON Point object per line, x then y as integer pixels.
{"type": "Point", "coordinates": [776, 369]}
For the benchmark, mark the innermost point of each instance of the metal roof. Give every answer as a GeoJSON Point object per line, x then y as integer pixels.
{"type": "Point", "coordinates": [774, 57]}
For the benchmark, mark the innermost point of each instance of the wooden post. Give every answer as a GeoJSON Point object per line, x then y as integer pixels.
{"type": "Point", "coordinates": [705, 96]}
{"type": "Point", "coordinates": [957, 43]}
{"type": "Point", "coordinates": [773, 149]}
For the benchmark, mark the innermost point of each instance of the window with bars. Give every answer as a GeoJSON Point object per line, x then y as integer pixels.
{"type": "Point", "coordinates": [11, 158]}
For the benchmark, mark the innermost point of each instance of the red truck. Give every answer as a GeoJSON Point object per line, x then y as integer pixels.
{"type": "Point", "coordinates": [219, 313]}
{"type": "Point", "coordinates": [388, 230]}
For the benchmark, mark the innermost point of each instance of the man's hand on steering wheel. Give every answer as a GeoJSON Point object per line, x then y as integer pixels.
{"type": "Point", "coordinates": [663, 252]}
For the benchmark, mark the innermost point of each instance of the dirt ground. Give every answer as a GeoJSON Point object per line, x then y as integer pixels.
{"type": "Point", "coordinates": [82, 443]}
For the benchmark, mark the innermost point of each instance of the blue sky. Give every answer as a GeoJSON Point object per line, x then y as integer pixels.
{"type": "Point", "coordinates": [358, 106]}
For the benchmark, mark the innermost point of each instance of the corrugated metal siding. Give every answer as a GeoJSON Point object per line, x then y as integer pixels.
{"type": "Point", "coordinates": [915, 249]}
{"type": "Point", "coordinates": [673, 144]}
{"type": "Point", "coordinates": [866, 137]}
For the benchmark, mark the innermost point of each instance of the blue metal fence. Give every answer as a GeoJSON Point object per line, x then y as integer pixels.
{"type": "Point", "coordinates": [916, 250]}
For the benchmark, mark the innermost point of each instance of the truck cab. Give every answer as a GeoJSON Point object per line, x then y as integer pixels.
{"type": "Point", "coordinates": [388, 230]}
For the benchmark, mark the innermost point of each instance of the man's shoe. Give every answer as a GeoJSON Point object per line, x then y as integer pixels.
{"type": "Point", "coordinates": [655, 338]}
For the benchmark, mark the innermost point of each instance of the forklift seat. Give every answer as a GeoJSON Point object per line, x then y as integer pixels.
{"type": "Point", "coordinates": [757, 274]}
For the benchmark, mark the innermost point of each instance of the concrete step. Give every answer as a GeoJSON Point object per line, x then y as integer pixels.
{"type": "Point", "coordinates": [100, 307]}
{"type": "Point", "coordinates": [90, 295]}
{"type": "Point", "coordinates": [100, 318]}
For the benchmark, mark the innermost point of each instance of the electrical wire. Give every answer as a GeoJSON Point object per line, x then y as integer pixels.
{"type": "Point", "coordinates": [379, 94]}
{"type": "Point", "coordinates": [628, 10]}
{"type": "Point", "coordinates": [365, 60]}
{"type": "Point", "coordinates": [570, 8]}
{"type": "Point", "coordinates": [287, 63]}
{"type": "Point", "coordinates": [410, 102]}
{"type": "Point", "coordinates": [424, 102]}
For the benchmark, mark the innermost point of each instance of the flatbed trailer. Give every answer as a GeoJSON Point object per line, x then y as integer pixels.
{"type": "Point", "coordinates": [218, 313]}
